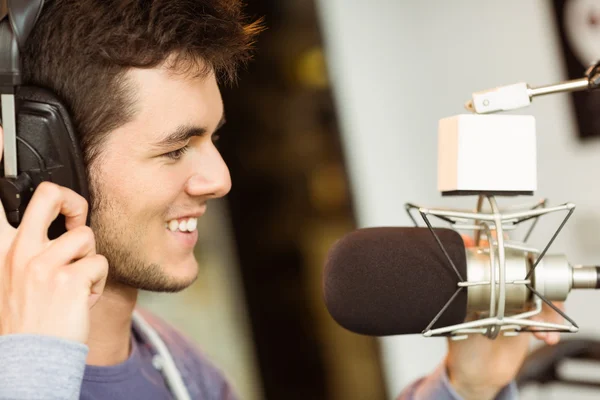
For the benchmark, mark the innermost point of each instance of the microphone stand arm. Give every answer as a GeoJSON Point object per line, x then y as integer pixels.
{"type": "Point", "coordinates": [520, 95]}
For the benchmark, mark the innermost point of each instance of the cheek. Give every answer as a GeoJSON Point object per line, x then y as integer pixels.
{"type": "Point", "coordinates": [171, 180]}
{"type": "Point", "coordinates": [140, 194]}
{"type": "Point", "coordinates": [140, 191]}
{"type": "Point", "coordinates": [159, 191]}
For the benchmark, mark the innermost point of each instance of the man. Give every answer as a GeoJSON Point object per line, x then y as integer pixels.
{"type": "Point", "coordinates": [141, 81]}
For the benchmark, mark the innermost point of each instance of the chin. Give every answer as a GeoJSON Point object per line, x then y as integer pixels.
{"type": "Point", "coordinates": [156, 277]}
{"type": "Point", "coordinates": [178, 276]}
{"type": "Point", "coordinates": [183, 274]}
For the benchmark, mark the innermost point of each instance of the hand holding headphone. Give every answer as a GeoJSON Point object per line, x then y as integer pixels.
{"type": "Point", "coordinates": [50, 274]}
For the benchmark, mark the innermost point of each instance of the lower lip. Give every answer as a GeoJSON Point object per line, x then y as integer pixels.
{"type": "Point", "coordinates": [187, 239]}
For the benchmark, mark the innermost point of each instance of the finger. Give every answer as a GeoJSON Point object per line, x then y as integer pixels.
{"type": "Point", "coordinates": [552, 338]}
{"type": "Point", "coordinates": [71, 246]}
{"type": "Point", "coordinates": [469, 241]}
{"type": "Point", "coordinates": [47, 202]}
{"type": "Point", "coordinates": [540, 335]}
{"type": "Point", "coordinates": [98, 280]}
{"type": "Point", "coordinates": [550, 312]}
{"type": "Point", "coordinates": [93, 272]}
{"type": "Point", "coordinates": [550, 315]}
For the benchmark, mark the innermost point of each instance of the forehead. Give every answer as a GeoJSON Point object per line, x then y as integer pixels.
{"type": "Point", "coordinates": [165, 100]}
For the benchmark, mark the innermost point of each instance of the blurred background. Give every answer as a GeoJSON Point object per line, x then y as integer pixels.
{"type": "Point", "coordinates": [333, 126]}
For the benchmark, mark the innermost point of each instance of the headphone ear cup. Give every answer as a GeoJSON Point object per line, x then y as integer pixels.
{"type": "Point", "coordinates": [48, 148]}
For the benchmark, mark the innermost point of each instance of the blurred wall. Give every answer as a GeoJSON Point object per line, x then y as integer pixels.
{"type": "Point", "coordinates": [288, 204]}
{"type": "Point", "coordinates": [398, 67]}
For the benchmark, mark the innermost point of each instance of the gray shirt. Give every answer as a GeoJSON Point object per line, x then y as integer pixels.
{"type": "Point", "coordinates": [48, 368]}
{"type": "Point", "coordinates": [41, 367]}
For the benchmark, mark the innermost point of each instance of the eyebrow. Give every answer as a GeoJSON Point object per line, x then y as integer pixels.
{"type": "Point", "coordinates": [183, 133]}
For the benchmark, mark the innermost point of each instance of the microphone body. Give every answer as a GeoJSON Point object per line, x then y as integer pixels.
{"type": "Point", "coordinates": [391, 281]}
{"type": "Point", "coordinates": [553, 277]}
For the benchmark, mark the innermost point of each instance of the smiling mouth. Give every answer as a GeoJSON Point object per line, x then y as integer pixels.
{"type": "Point", "coordinates": [184, 232]}
{"type": "Point", "coordinates": [183, 225]}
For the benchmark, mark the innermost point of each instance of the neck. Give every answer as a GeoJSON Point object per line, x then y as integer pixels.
{"type": "Point", "coordinates": [110, 326]}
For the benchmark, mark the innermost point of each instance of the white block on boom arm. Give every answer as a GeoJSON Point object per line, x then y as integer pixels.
{"type": "Point", "coordinates": [487, 154]}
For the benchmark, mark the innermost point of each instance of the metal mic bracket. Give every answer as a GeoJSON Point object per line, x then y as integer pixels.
{"type": "Point", "coordinates": [494, 224]}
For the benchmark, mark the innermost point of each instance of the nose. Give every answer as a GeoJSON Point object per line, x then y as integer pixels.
{"type": "Point", "coordinates": [211, 178]}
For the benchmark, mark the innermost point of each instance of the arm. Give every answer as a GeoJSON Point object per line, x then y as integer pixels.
{"type": "Point", "coordinates": [40, 367]}
{"type": "Point", "coordinates": [478, 368]}
{"type": "Point", "coordinates": [437, 386]}
{"type": "Point", "coordinates": [47, 290]}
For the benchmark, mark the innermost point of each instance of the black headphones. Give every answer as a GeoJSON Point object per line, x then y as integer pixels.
{"type": "Point", "coordinates": [40, 143]}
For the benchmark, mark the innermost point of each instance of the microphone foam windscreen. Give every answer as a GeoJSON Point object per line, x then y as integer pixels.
{"type": "Point", "coordinates": [392, 281]}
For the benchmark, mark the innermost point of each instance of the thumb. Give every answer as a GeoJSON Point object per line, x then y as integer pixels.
{"type": "Point", "coordinates": [469, 241]}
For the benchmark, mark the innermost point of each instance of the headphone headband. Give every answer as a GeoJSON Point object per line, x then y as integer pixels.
{"type": "Point", "coordinates": [17, 19]}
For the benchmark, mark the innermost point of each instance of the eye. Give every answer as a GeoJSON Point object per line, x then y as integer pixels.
{"type": "Point", "coordinates": [176, 155]}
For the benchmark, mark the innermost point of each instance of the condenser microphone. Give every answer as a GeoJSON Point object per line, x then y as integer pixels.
{"type": "Point", "coordinates": [392, 281]}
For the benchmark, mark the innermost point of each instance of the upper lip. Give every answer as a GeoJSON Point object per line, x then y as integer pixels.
{"type": "Point", "coordinates": [195, 214]}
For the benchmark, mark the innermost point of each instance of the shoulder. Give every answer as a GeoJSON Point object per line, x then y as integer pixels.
{"type": "Point", "coordinates": [199, 373]}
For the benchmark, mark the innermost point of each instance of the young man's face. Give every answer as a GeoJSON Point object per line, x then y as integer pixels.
{"type": "Point", "coordinates": [142, 194]}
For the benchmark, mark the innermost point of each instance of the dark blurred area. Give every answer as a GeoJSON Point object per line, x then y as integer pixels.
{"type": "Point", "coordinates": [290, 201]}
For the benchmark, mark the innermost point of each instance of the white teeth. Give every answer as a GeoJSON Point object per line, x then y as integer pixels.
{"type": "Point", "coordinates": [173, 225]}
{"type": "Point", "coordinates": [192, 224]}
{"type": "Point", "coordinates": [185, 225]}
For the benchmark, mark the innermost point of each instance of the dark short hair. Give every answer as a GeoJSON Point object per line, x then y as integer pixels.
{"type": "Point", "coordinates": [81, 50]}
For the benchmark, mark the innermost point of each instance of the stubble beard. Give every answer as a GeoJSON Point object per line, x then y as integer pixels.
{"type": "Point", "coordinates": [122, 245]}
